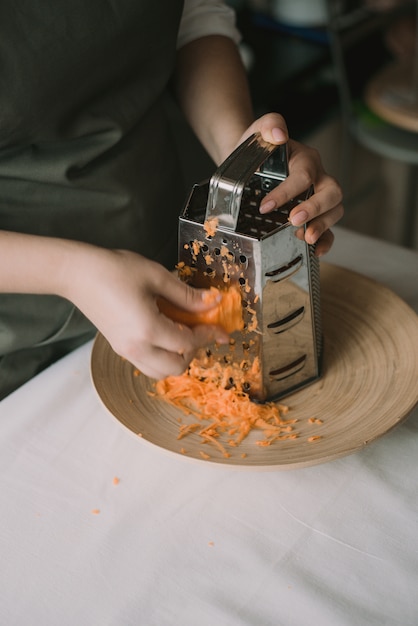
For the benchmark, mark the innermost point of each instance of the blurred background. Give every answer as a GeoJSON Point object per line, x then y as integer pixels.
{"type": "Point", "coordinates": [344, 74]}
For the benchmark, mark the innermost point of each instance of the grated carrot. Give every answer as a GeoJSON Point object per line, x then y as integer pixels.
{"type": "Point", "coordinates": [227, 413]}
{"type": "Point", "coordinates": [210, 226]}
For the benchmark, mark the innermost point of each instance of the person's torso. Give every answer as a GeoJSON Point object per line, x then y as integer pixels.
{"type": "Point", "coordinates": [86, 147]}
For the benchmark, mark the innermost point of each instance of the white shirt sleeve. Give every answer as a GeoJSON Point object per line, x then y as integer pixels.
{"type": "Point", "coordinates": [206, 17]}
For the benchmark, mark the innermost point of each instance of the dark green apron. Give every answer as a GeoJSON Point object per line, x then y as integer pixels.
{"type": "Point", "coordinates": [86, 149]}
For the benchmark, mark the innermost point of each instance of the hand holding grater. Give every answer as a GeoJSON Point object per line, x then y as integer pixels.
{"type": "Point", "coordinates": [223, 240]}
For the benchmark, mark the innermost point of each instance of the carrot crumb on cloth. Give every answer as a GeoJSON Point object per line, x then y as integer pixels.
{"type": "Point", "coordinates": [95, 511]}
{"type": "Point", "coordinates": [116, 480]}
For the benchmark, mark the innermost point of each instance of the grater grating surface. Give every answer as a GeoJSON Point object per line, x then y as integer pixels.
{"type": "Point", "coordinates": [280, 348]}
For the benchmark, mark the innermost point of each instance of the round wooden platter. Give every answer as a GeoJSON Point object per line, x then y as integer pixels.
{"type": "Point", "coordinates": [391, 96]}
{"type": "Point", "coordinates": [368, 386]}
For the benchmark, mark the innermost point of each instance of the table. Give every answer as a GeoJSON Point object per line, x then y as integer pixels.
{"type": "Point", "coordinates": [182, 543]}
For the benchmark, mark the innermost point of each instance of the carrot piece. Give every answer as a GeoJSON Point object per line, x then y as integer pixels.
{"type": "Point", "coordinates": [226, 313]}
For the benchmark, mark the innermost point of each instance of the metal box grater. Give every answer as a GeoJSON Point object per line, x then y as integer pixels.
{"type": "Point", "coordinates": [281, 343]}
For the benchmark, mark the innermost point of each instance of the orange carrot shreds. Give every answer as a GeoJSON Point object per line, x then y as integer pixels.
{"type": "Point", "coordinates": [184, 271]}
{"type": "Point", "coordinates": [185, 429]}
{"type": "Point", "coordinates": [183, 451]}
{"type": "Point", "coordinates": [196, 247]}
{"type": "Point", "coordinates": [226, 310]}
{"type": "Point", "coordinates": [315, 438]}
{"type": "Point", "coordinates": [116, 480]}
{"type": "Point", "coordinates": [95, 511]}
{"type": "Point", "coordinates": [137, 372]}
{"type": "Point", "coordinates": [226, 411]}
{"type": "Point", "coordinates": [211, 226]}
{"type": "Point", "coordinates": [212, 439]}
{"type": "Point", "coordinates": [204, 455]}
{"type": "Point", "coordinates": [211, 543]}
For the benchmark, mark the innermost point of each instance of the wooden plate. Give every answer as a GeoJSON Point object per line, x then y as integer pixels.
{"type": "Point", "coordinates": [391, 96]}
{"type": "Point", "coordinates": [369, 383]}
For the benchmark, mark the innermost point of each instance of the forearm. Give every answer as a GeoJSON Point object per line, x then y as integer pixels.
{"type": "Point", "coordinates": [212, 89]}
{"type": "Point", "coordinates": [37, 265]}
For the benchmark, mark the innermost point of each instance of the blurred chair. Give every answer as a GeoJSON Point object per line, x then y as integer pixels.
{"type": "Point", "coordinates": [368, 118]}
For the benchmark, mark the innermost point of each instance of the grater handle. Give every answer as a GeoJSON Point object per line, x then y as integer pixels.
{"type": "Point", "coordinates": [228, 182]}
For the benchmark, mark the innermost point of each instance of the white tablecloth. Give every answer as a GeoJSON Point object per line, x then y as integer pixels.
{"type": "Point", "coordinates": [183, 543]}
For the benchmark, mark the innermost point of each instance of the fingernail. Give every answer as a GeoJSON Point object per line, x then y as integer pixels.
{"type": "Point", "coordinates": [278, 134]}
{"type": "Point", "coordinates": [299, 218]}
{"type": "Point", "coordinates": [265, 207]}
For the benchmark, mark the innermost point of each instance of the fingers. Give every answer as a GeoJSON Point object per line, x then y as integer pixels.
{"type": "Point", "coordinates": [170, 348]}
{"type": "Point", "coordinates": [155, 344]}
{"type": "Point", "coordinates": [324, 243]}
{"type": "Point", "coordinates": [305, 169]}
{"type": "Point", "coordinates": [318, 226]}
{"type": "Point", "coordinates": [186, 297]}
{"type": "Point", "coordinates": [322, 210]}
{"type": "Point", "coordinates": [272, 127]}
